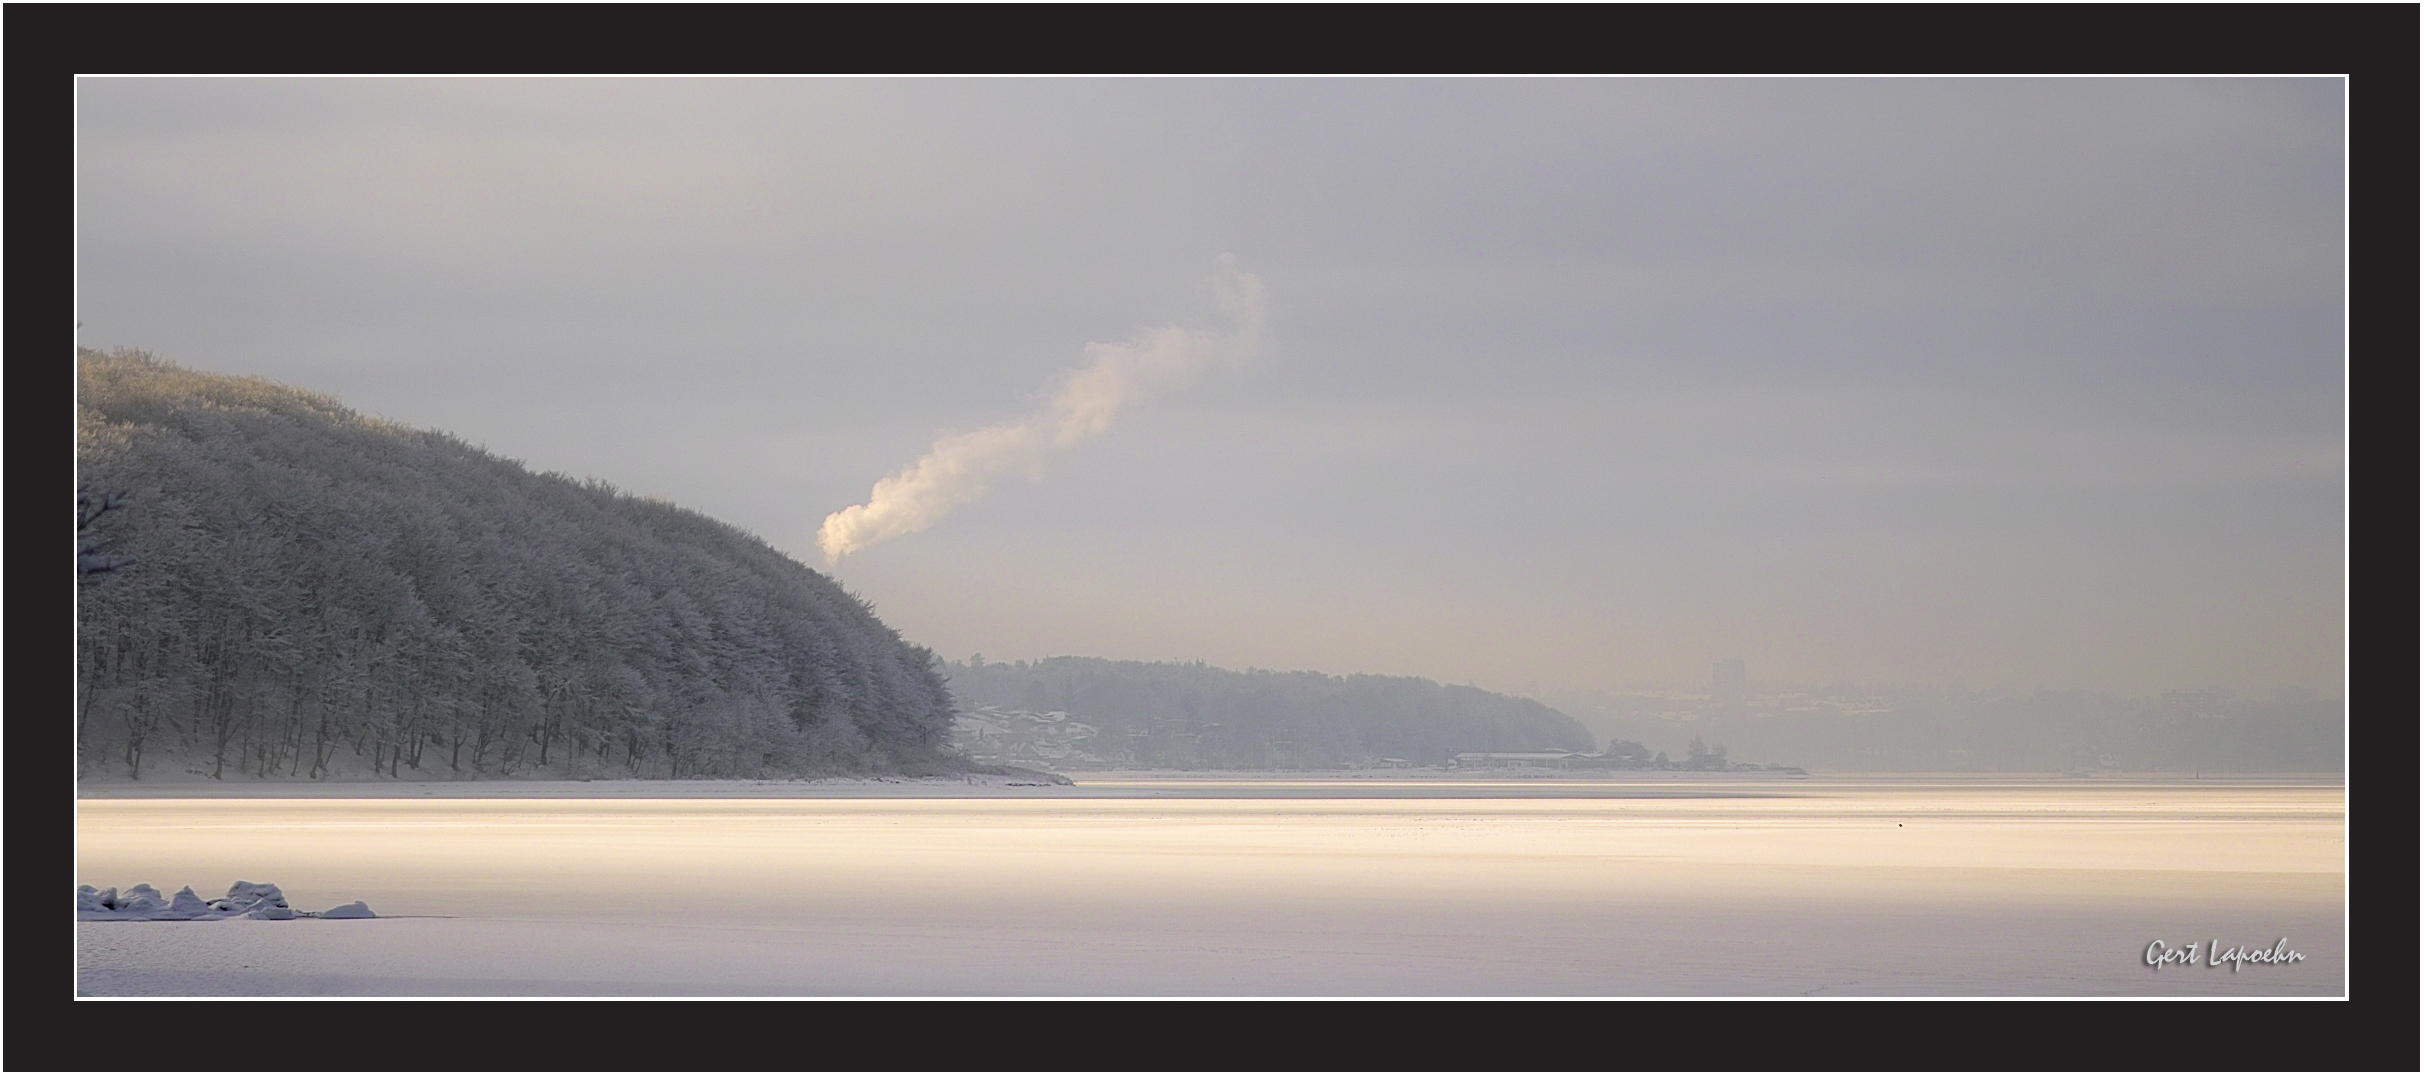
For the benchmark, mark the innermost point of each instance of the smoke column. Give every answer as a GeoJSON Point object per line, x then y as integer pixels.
{"type": "Point", "coordinates": [959, 468]}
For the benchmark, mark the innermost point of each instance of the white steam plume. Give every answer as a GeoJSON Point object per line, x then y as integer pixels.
{"type": "Point", "coordinates": [959, 468]}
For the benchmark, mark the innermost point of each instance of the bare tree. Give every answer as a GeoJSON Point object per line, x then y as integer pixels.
{"type": "Point", "coordinates": [92, 551]}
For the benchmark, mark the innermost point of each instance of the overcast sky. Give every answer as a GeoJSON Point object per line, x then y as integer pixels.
{"type": "Point", "coordinates": [1565, 384]}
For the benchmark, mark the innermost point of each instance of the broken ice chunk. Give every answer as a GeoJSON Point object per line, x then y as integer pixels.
{"type": "Point", "coordinates": [185, 905]}
{"type": "Point", "coordinates": [251, 891]}
{"type": "Point", "coordinates": [141, 902]}
{"type": "Point", "coordinates": [245, 896]}
{"type": "Point", "coordinates": [245, 900]}
{"type": "Point", "coordinates": [252, 901]}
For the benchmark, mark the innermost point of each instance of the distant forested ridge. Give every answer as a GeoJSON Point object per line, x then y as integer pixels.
{"type": "Point", "coordinates": [1193, 716]}
{"type": "Point", "coordinates": [286, 589]}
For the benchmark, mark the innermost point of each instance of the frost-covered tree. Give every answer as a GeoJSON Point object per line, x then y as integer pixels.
{"type": "Point", "coordinates": [92, 551]}
{"type": "Point", "coordinates": [299, 591]}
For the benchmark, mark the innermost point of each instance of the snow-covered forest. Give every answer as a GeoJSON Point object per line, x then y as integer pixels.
{"type": "Point", "coordinates": [273, 586]}
{"type": "Point", "coordinates": [1194, 716]}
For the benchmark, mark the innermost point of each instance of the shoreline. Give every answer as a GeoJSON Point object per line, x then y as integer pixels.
{"type": "Point", "coordinates": [1144, 784]}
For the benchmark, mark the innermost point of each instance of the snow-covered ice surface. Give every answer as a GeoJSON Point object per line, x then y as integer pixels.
{"type": "Point", "coordinates": [1170, 886]}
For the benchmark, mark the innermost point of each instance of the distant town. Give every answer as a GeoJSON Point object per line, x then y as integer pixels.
{"type": "Point", "coordinates": [2001, 728]}
{"type": "Point", "coordinates": [1734, 724]}
{"type": "Point", "coordinates": [997, 735]}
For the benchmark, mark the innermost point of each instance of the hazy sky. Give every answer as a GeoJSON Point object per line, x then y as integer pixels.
{"type": "Point", "coordinates": [1564, 383]}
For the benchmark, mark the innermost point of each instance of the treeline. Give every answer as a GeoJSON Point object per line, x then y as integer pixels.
{"type": "Point", "coordinates": [1194, 716]}
{"type": "Point", "coordinates": [1622, 754]}
{"type": "Point", "coordinates": [2043, 732]}
{"type": "Point", "coordinates": [287, 589]}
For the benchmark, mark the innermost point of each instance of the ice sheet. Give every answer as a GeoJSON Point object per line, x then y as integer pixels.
{"type": "Point", "coordinates": [1870, 889]}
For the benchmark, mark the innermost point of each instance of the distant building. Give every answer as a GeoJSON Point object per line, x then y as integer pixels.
{"type": "Point", "coordinates": [2205, 702]}
{"type": "Point", "coordinates": [996, 734]}
{"type": "Point", "coordinates": [1727, 680]}
{"type": "Point", "coordinates": [1517, 760]}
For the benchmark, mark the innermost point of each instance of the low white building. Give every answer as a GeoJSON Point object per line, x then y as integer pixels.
{"type": "Point", "coordinates": [1516, 760]}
